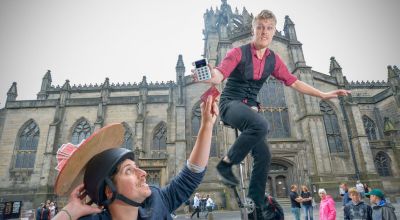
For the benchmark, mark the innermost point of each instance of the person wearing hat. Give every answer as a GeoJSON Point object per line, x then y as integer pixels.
{"type": "Point", "coordinates": [116, 184]}
{"type": "Point", "coordinates": [381, 209]}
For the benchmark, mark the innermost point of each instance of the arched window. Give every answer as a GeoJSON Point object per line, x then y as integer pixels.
{"type": "Point", "coordinates": [160, 137]}
{"type": "Point", "coordinates": [272, 99]}
{"type": "Point", "coordinates": [369, 127]}
{"type": "Point", "coordinates": [382, 164]}
{"type": "Point", "coordinates": [153, 177]}
{"type": "Point", "coordinates": [27, 145]}
{"type": "Point", "coordinates": [128, 139]}
{"type": "Point", "coordinates": [81, 131]}
{"type": "Point", "coordinates": [331, 128]}
{"type": "Point", "coordinates": [196, 117]}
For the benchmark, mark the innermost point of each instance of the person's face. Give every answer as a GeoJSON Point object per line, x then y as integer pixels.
{"type": "Point", "coordinates": [130, 181]}
{"type": "Point", "coordinates": [263, 32]}
{"type": "Point", "coordinates": [355, 197]}
{"type": "Point", "coordinates": [294, 188]}
{"type": "Point", "coordinates": [322, 195]}
{"type": "Point", "coordinates": [374, 199]}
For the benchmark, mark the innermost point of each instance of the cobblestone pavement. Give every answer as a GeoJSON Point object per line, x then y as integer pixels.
{"type": "Point", "coordinates": [235, 215]}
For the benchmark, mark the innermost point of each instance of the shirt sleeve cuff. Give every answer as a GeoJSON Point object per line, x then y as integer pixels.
{"type": "Point", "coordinates": [194, 168]}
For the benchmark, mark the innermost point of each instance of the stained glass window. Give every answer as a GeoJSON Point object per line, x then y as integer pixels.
{"type": "Point", "coordinates": [160, 137]}
{"type": "Point", "coordinates": [27, 145]}
{"type": "Point", "coordinates": [81, 131]}
{"type": "Point", "coordinates": [273, 103]}
{"type": "Point", "coordinates": [128, 139]}
{"type": "Point", "coordinates": [369, 127]}
{"type": "Point", "coordinates": [332, 129]}
{"type": "Point", "coordinates": [382, 164]}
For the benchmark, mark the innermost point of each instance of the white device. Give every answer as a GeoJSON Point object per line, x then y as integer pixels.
{"type": "Point", "coordinates": [202, 70]}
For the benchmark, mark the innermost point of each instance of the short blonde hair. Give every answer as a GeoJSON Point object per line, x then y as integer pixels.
{"type": "Point", "coordinates": [264, 15]}
{"type": "Point", "coordinates": [353, 191]}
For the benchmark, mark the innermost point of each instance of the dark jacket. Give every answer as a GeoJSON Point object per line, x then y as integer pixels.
{"type": "Point", "coordinates": [383, 211]}
{"type": "Point", "coordinates": [163, 201]}
{"type": "Point", "coordinates": [359, 211]}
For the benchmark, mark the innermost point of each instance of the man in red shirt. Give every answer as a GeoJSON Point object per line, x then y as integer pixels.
{"type": "Point", "coordinates": [246, 68]}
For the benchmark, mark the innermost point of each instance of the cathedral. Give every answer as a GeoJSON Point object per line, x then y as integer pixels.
{"type": "Point", "coordinates": [314, 142]}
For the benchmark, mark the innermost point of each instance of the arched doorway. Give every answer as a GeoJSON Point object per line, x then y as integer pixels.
{"type": "Point", "coordinates": [281, 187]}
{"type": "Point", "coordinates": [277, 184]}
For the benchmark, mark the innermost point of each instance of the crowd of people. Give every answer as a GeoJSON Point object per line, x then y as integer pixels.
{"type": "Point", "coordinates": [201, 203]}
{"type": "Point", "coordinates": [354, 206]}
{"type": "Point", "coordinates": [46, 211]}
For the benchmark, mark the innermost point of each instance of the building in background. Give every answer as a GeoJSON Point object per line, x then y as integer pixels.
{"type": "Point", "coordinates": [313, 142]}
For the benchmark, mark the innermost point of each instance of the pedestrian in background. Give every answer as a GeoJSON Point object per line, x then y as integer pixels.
{"type": "Point", "coordinates": [346, 197]}
{"type": "Point", "coordinates": [295, 201]}
{"type": "Point", "coordinates": [357, 209]}
{"type": "Point", "coordinates": [307, 203]}
{"type": "Point", "coordinates": [360, 188]}
{"type": "Point", "coordinates": [381, 209]}
{"type": "Point", "coordinates": [327, 210]}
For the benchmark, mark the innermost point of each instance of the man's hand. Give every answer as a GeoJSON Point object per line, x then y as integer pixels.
{"type": "Point", "coordinates": [76, 207]}
{"type": "Point", "coordinates": [335, 93]}
{"type": "Point", "coordinates": [209, 111]}
{"type": "Point", "coordinates": [216, 76]}
{"type": "Point", "coordinates": [304, 88]}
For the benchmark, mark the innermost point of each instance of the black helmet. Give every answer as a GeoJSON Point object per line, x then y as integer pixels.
{"type": "Point", "coordinates": [99, 170]}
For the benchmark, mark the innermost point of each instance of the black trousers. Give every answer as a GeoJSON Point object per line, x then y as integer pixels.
{"type": "Point", "coordinates": [253, 128]}
{"type": "Point", "coordinates": [196, 210]}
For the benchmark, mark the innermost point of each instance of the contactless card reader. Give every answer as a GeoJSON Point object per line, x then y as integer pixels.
{"type": "Point", "coordinates": [202, 70]}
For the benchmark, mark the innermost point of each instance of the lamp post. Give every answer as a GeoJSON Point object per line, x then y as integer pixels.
{"type": "Point", "coordinates": [349, 135]}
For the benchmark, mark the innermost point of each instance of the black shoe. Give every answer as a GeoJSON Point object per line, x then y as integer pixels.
{"type": "Point", "coordinates": [225, 171]}
{"type": "Point", "coordinates": [257, 214]}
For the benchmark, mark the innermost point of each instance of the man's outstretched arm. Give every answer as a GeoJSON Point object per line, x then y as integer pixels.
{"type": "Point", "coordinates": [304, 88]}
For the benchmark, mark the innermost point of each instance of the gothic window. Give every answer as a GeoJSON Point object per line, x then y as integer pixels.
{"type": "Point", "coordinates": [332, 129]}
{"type": "Point", "coordinates": [369, 127]}
{"type": "Point", "coordinates": [382, 164]}
{"type": "Point", "coordinates": [128, 139]}
{"type": "Point", "coordinates": [272, 99]}
{"type": "Point", "coordinates": [27, 145]}
{"type": "Point", "coordinates": [160, 137]}
{"type": "Point", "coordinates": [81, 131]}
{"type": "Point", "coordinates": [153, 177]}
{"type": "Point", "coordinates": [196, 117]}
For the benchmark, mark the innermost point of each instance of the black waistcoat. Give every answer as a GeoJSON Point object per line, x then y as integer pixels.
{"type": "Point", "coordinates": [241, 84]}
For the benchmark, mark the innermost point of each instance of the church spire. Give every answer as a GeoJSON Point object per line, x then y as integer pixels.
{"type": "Point", "coordinates": [46, 84]}
{"type": "Point", "coordinates": [334, 66]}
{"type": "Point", "coordinates": [288, 28]}
{"type": "Point", "coordinates": [12, 92]}
{"type": "Point", "coordinates": [336, 71]}
{"type": "Point", "coordinates": [394, 82]}
{"type": "Point", "coordinates": [180, 77]}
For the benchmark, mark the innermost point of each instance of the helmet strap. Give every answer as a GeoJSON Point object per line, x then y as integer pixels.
{"type": "Point", "coordinates": [116, 195]}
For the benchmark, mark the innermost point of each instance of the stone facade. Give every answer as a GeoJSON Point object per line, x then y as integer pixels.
{"type": "Point", "coordinates": [162, 122]}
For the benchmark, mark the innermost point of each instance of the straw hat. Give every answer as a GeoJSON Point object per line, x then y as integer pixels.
{"type": "Point", "coordinates": [71, 175]}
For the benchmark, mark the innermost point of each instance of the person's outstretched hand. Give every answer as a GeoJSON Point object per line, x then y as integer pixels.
{"type": "Point", "coordinates": [335, 93]}
{"type": "Point", "coordinates": [216, 76]}
{"type": "Point", "coordinates": [209, 111]}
